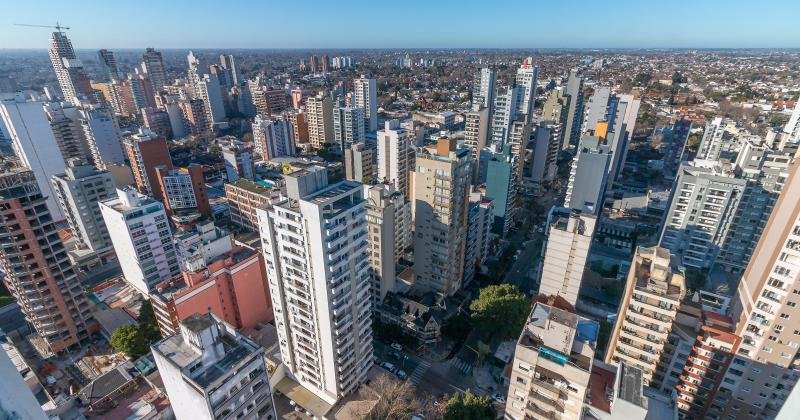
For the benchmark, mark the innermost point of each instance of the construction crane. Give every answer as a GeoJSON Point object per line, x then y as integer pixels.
{"type": "Point", "coordinates": [58, 26]}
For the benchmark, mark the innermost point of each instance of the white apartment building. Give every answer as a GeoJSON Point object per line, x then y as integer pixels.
{"type": "Point", "coordinates": [483, 88]}
{"type": "Point", "coordinates": [314, 241]}
{"type": "Point", "coordinates": [552, 365]}
{"type": "Point", "coordinates": [366, 96]}
{"type": "Point", "coordinates": [142, 239]}
{"type": "Point", "coordinates": [273, 137]}
{"type": "Point", "coordinates": [210, 371]}
{"type": "Point", "coordinates": [389, 235]}
{"type": "Point", "coordinates": [103, 136]}
{"type": "Point", "coordinates": [506, 110]}
{"type": "Point", "coordinates": [348, 126]}
{"type": "Point", "coordinates": [569, 236]}
{"type": "Point", "coordinates": [79, 190]}
{"type": "Point", "coordinates": [34, 144]}
{"type": "Point", "coordinates": [395, 159]}
{"type": "Point", "coordinates": [527, 78]}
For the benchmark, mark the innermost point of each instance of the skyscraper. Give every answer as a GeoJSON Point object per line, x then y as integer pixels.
{"type": "Point", "coordinates": [506, 110]}
{"type": "Point", "coordinates": [588, 176]}
{"type": "Point", "coordinates": [142, 239]}
{"type": "Point", "coordinates": [145, 152]}
{"type": "Point", "coordinates": [572, 131]}
{"type": "Point", "coordinates": [366, 96]}
{"type": "Point", "coordinates": [389, 226]}
{"type": "Point", "coordinates": [316, 251]}
{"type": "Point", "coordinates": [108, 63]}
{"type": "Point", "coordinates": [153, 66]}
{"type": "Point", "coordinates": [319, 110]}
{"type": "Point", "coordinates": [69, 69]}
{"type": "Point", "coordinates": [38, 272]}
{"type": "Point", "coordinates": [102, 135]}
{"type": "Point", "coordinates": [527, 78]}
{"type": "Point", "coordinates": [34, 144]}
{"type": "Point", "coordinates": [439, 194]}
{"type": "Point", "coordinates": [476, 132]}
{"type": "Point", "coordinates": [395, 160]}
{"type": "Point", "coordinates": [566, 253]}
{"type": "Point", "coordinates": [348, 126]}
{"type": "Point", "coordinates": [483, 88]}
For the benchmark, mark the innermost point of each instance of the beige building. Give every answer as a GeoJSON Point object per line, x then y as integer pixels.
{"type": "Point", "coordinates": [244, 197]}
{"type": "Point", "coordinates": [568, 240]}
{"type": "Point", "coordinates": [359, 163]}
{"type": "Point", "coordinates": [650, 305]}
{"type": "Point", "coordinates": [319, 112]}
{"type": "Point", "coordinates": [389, 235]}
{"type": "Point", "coordinates": [766, 312]}
{"type": "Point", "coordinates": [552, 365]}
{"type": "Point", "coordinates": [439, 202]}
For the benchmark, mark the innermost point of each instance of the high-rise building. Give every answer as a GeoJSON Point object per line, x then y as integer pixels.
{"type": "Point", "coordinates": [481, 217]}
{"type": "Point", "coordinates": [506, 110]}
{"type": "Point", "coordinates": [389, 227]}
{"type": "Point", "coordinates": [650, 304]}
{"type": "Point", "coordinates": [210, 371]}
{"type": "Point", "coordinates": [566, 253]}
{"type": "Point", "coordinates": [103, 136]}
{"type": "Point", "coordinates": [37, 270]}
{"type": "Point", "coordinates": [64, 120]}
{"type": "Point", "coordinates": [483, 88]}
{"type": "Point", "coordinates": [34, 144]}
{"type": "Point", "coordinates": [556, 111]}
{"type": "Point", "coordinates": [395, 159]}
{"type": "Point", "coordinates": [763, 371]}
{"type": "Point", "coordinates": [552, 365]}
{"type": "Point", "coordinates": [476, 132]}
{"type": "Point", "coordinates": [79, 189]}
{"type": "Point", "coordinates": [315, 249]}
{"type": "Point", "coordinates": [527, 78]}
{"type": "Point", "coordinates": [700, 214]}
{"type": "Point", "coordinates": [142, 239]}
{"type": "Point", "coordinates": [299, 122]}
{"type": "Point", "coordinates": [572, 130]}
{"type": "Point", "coordinates": [244, 197]}
{"type": "Point", "coordinates": [597, 109]}
{"type": "Point", "coordinates": [366, 96]}
{"type": "Point", "coordinates": [348, 126]}
{"type": "Point", "coordinates": [157, 121]}
{"type": "Point", "coordinates": [108, 63]}
{"type": "Point", "coordinates": [501, 186]}
{"type": "Point", "coordinates": [546, 146]}
{"type": "Point", "coordinates": [145, 152]}
{"type": "Point", "coordinates": [202, 243]}
{"type": "Point", "coordinates": [71, 77]}
{"type": "Point", "coordinates": [193, 113]}
{"type": "Point", "coordinates": [232, 286]}
{"type": "Point", "coordinates": [439, 194]}
{"type": "Point", "coordinates": [588, 176]}
{"type": "Point", "coordinates": [297, 97]}
{"type": "Point", "coordinates": [313, 62]}
{"type": "Point", "coordinates": [184, 190]}
{"type": "Point", "coordinates": [359, 163]}
{"type": "Point", "coordinates": [228, 63]}
{"type": "Point", "coordinates": [208, 90]}
{"type": "Point", "coordinates": [17, 400]}
{"type": "Point", "coordinates": [153, 66]}
{"type": "Point", "coordinates": [273, 137]}
{"type": "Point", "coordinates": [238, 161]}
{"type": "Point", "coordinates": [319, 110]}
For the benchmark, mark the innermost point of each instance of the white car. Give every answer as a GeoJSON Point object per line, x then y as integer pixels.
{"type": "Point", "coordinates": [396, 346]}
{"type": "Point", "coordinates": [499, 398]}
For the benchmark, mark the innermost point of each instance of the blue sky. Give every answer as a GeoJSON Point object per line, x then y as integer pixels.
{"type": "Point", "coordinates": [406, 23]}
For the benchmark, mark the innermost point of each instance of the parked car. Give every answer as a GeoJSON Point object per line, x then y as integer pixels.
{"type": "Point", "coordinates": [396, 346]}
{"type": "Point", "coordinates": [401, 374]}
{"type": "Point", "coordinates": [388, 366]}
{"type": "Point", "coordinates": [499, 398]}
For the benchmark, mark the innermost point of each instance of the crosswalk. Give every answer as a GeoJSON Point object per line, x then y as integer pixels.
{"type": "Point", "coordinates": [419, 372]}
{"type": "Point", "coordinates": [464, 367]}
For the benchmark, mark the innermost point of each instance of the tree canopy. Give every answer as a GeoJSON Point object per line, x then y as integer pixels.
{"type": "Point", "coordinates": [500, 310]}
{"type": "Point", "coordinates": [469, 406]}
{"type": "Point", "coordinates": [130, 340]}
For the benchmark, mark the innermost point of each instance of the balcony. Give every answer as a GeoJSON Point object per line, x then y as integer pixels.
{"type": "Point", "coordinates": [540, 396]}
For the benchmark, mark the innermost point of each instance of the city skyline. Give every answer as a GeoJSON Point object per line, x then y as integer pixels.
{"type": "Point", "coordinates": [702, 25]}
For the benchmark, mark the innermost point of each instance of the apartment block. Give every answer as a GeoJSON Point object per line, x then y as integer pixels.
{"type": "Point", "coordinates": [232, 286]}
{"type": "Point", "coordinates": [348, 126]}
{"type": "Point", "coordinates": [244, 197]}
{"type": "Point", "coordinates": [395, 159]}
{"type": "Point", "coordinates": [184, 192]}
{"type": "Point", "coordinates": [653, 294]}
{"type": "Point", "coordinates": [566, 253]}
{"type": "Point", "coordinates": [314, 241]}
{"type": "Point", "coordinates": [319, 110]}
{"type": "Point", "coordinates": [366, 97]}
{"type": "Point", "coordinates": [360, 163]}
{"type": "Point", "coordinates": [142, 239]}
{"type": "Point", "coordinates": [481, 218]}
{"type": "Point", "coordinates": [145, 152]}
{"type": "Point", "coordinates": [552, 365]}
{"type": "Point", "coordinates": [210, 371]}
{"type": "Point", "coordinates": [37, 270]}
{"type": "Point", "coordinates": [439, 202]}
{"type": "Point", "coordinates": [389, 236]}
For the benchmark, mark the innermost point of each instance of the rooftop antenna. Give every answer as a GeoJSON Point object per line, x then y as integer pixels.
{"type": "Point", "coordinates": [57, 27]}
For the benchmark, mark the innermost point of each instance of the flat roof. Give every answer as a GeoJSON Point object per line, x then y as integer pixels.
{"type": "Point", "coordinates": [303, 397]}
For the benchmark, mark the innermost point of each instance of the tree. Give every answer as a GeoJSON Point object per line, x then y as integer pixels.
{"type": "Point", "coordinates": [469, 406]}
{"type": "Point", "coordinates": [458, 327]}
{"type": "Point", "coordinates": [129, 339]}
{"type": "Point", "coordinates": [396, 400]}
{"type": "Point", "coordinates": [500, 310]}
{"type": "Point", "coordinates": [147, 322]}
